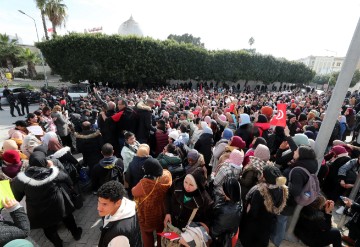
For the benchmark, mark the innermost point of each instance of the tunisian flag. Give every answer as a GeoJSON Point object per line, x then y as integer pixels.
{"type": "Point", "coordinates": [280, 118]}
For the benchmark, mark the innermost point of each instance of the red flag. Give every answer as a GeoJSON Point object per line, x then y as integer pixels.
{"type": "Point", "coordinates": [280, 118]}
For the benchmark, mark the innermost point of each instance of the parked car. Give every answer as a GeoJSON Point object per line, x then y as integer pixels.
{"type": "Point", "coordinates": [75, 91]}
{"type": "Point", "coordinates": [32, 95]}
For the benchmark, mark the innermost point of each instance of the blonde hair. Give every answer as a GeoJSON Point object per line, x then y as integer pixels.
{"type": "Point", "coordinates": [280, 181]}
{"type": "Point", "coordinates": [56, 108]}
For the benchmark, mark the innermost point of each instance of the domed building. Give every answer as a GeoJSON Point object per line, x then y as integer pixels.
{"type": "Point", "coordinates": [130, 27]}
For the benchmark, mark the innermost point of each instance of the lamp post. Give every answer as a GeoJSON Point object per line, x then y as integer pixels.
{"type": "Point", "coordinates": [41, 56]}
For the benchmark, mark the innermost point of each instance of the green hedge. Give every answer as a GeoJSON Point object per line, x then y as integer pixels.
{"type": "Point", "coordinates": [117, 59]}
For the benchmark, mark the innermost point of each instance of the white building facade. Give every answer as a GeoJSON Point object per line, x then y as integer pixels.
{"type": "Point", "coordinates": [323, 65]}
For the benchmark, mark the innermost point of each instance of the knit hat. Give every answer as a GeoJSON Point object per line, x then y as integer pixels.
{"type": "Point", "coordinates": [267, 111]}
{"type": "Point", "coordinates": [236, 157]}
{"type": "Point", "coordinates": [38, 159]}
{"type": "Point", "coordinates": [193, 154]}
{"type": "Point", "coordinates": [222, 117]}
{"type": "Point", "coordinates": [237, 141]}
{"type": "Point", "coordinates": [301, 139]}
{"type": "Point", "coordinates": [11, 156]}
{"type": "Point", "coordinates": [143, 150]}
{"type": "Point", "coordinates": [227, 134]}
{"type": "Point", "coordinates": [262, 119]}
{"type": "Point", "coordinates": [174, 134]}
{"type": "Point", "coordinates": [207, 119]}
{"type": "Point", "coordinates": [310, 134]}
{"type": "Point", "coordinates": [245, 119]}
{"type": "Point", "coordinates": [339, 150]}
{"type": "Point", "coordinates": [290, 115]}
{"type": "Point", "coordinates": [271, 173]}
{"type": "Point", "coordinates": [10, 145]}
{"type": "Point", "coordinates": [306, 152]}
{"type": "Point", "coordinates": [262, 152]}
{"type": "Point", "coordinates": [207, 130]}
{"type": "Point", "coordinates": [152, 168]}
{"type": "Point", "coordinates": [232, 189]}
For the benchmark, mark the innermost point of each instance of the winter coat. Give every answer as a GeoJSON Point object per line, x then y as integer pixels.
{"type": "Point", "coordinates": [169, 161]}
{"type": "Point", "coordinates": [62, 128]}
{"type": "Point", "coordinates": [88, 142]}
{"type": "Point", "coordinates": [312, 224]}
{"type": "Point", "coordinates": [22, 98]}
{"type": "Point", "coordinates": [180, 211]}
{"type": "Point", "coordinates": [135, 171]}
{"type": "Point", "coordinates": [149, 196]}
{"type": "Point", "coordinates": [122, 228]}
{"type": "Point", "coordinates": [225, 220]}
{"type": "Point", "coordinates": [16, 134]}
{"type": "Point", "coordinates": [161, 141]}
{"type": "Point", "coordinates": [331, 186]}
{"type": "Point", "coordinates": [66, 159]}
{"type": "Point", "coordinates": [217, 152]}
{"type": "Point", "coordinates": [204, 145]}
{"type": "Point", "coordinates": [100, 172]}
{"type": "Point", "coordinates": [45, 204]}
{"type": "Point", "coordinates": [260, 211]}
{"type": "Point", "coordinates": [128, 153]}
{"type": "Point", "coordinates": [144, 119]}
{"type": "Point", "coordinates": [18, 229]}
{"type": "Point", "coordinates": [127, 122]}
{"type": "Point", "coordinates": [349, 171]}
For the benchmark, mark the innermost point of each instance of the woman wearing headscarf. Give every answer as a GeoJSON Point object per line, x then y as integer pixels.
{"type": "Point", "coordinates": [250, 152]}
{"type": "Point", "coordinates": [204, 145]}
{"type": "Point", "coordinates": [30, 142]}
{"type": "Point", "coordinates": [275, 140]}
{"type": "Point", "coordinates": [20, 131]}
{"type": "Point", "coordinates": [47, 137]}
{"type": "Point", "coordinates": [62, 127]}
{"type": "Point", "coordinates": [130, 148]}
{"type": "Point", "coordinates": [226, 214]}
{"type": "Point", "coordinates": [253, 172]}
{"type": "Point", "coordinates": [263, 203]}
{"type": "Point", "coordinates": [149, 195]}
{"type": "Point", "coordinates": [245, 129]}
{"type": "Point", "coordinates": [197, 131]}
{"type": "Point", "coordinates": [12, 164]}
{"type": "Point", "coordinates": [314, 227]}
{"type": "Point", "coordinates": [195, 160]}
{"type": "Point", "coordinates": [183, 197]}
{"type": "Point", "coordinates": [232, 167]}
{"type": "Point", "coordinates": [12, 145]}
{"type": "Point", "coordinates": [63, 154]}
{"type": "Point", "coordinates": [46, 206]}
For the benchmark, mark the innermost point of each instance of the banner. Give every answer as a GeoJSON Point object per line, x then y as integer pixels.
{"type": "Point", "coordinates": [5, 192]}
{"type": "Point", "coordinates": [280, 118]}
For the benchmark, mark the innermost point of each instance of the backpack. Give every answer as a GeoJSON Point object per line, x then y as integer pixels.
{"type": "Point", "coordinates": [310, 191]}
{"type": "Point", "coordinates": [114, 174]}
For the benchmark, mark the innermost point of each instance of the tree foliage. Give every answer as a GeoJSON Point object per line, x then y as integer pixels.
{"type": "Point", "coordinates": [9, 52]}
{"type": "Point", "coordinates": [56, 12]}
{"type": "Point", "coordinates": [187, 38]}
{"type": "Point", "coordinates": [354, 80]}
{"type": "Point", "coordinates": [130, 59]}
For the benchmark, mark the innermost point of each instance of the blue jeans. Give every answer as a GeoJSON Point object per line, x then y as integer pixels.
{"type": "Point", "coordinates": [278, 233]}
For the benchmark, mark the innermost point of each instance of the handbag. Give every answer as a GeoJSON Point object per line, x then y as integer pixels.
{"type": "Point", "coordinates": [170, 228]}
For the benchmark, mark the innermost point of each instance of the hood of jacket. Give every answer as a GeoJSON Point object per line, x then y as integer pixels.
{"type": "Point", "coordinates": [309, 164]}
{"type": "Point", "coordinates": [125, 211]}
{"type": "Point", "coordinates": [37, 176]}
{"type": "Point", "coordinates": [274, 197]}
{"type": "Point", "coordinates": [87, 134]}
{"type": "Point", "coordinates": [163, 183]}
{"type": "Point", "coordinates": [108, 162]}
{"type": "Point", "coordinates": [60, 153]}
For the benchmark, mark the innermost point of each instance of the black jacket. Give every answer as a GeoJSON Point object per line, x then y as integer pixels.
{"type": "Point", "coordinates": [100, 173]}
{"type": "Point", "coordinates": [204, 145]}
{"type": "Point", "coordinates": [89, 143]}
{"type": "Point", "coordinates": [22, 98]}
{"type": "Point", "coordinates": [225, 221]}
{"type": "Point", "coordinates": [135, 171]}
{"type": "Point", "coordinates": [246, 133]}
{"type": "Point", "coordinates": [128, 121]}
{"type": "Point", "coordinates": [144, 122]}
{"type": "Point", "coordinates": [44, 201]}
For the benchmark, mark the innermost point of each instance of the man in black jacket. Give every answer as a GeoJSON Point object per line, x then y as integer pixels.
{"type": "Point", "coordinates": [144, 116]}
{"type": "Point", "coordinates": [89, 142]}
{"type": "Point", "coordinates": [23, 102]}
{"type": "Point", "coordinates": [120, 223]}
{"type": "Point", "coordinates": [13, 102]}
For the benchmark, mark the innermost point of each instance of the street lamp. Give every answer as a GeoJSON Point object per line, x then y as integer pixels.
{"type": "Point", "coordinates": [41, 56]}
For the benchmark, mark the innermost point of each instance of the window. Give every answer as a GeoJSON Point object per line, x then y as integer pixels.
{"type": "Point", "coordinates": [338, 64]}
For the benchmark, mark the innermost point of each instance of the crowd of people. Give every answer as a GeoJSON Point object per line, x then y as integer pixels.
{"type": "Point", "coordinates": [205, 165]}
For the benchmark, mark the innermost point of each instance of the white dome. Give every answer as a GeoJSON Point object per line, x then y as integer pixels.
{"type": "Point", "coordinates": [130, 27]}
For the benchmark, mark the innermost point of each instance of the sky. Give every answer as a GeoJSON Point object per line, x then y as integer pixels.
{"type": "Point", "coordinates": [291, 29]}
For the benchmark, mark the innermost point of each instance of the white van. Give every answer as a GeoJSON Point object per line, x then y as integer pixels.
{"type": "Point", "coordinates": [75, 91]}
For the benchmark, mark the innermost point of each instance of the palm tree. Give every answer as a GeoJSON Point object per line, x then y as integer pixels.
{"type": "Point", "coordinates": [56, 11]}
{"type": "Point", "coordinates": [30, 59]}
{"type": "Point", "coordinates": [9, 51]}
{"type": "Point", "coordinates": [251, 41]}
{"type": "Point", "coordinates": [40, 4]}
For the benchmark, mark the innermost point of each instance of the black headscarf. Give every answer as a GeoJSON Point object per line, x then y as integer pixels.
{"type": "Point", "coordinates": [38, 159]}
